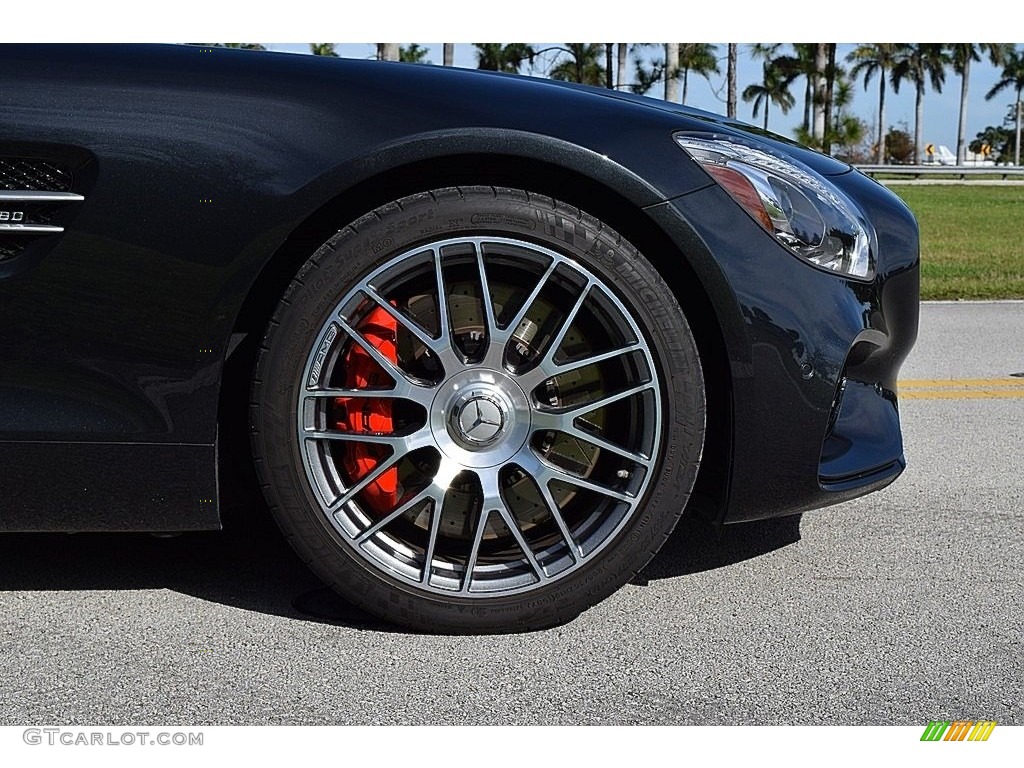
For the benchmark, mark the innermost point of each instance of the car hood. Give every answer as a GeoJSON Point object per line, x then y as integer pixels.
{"type": "Point", "coordinates": [709, 121]}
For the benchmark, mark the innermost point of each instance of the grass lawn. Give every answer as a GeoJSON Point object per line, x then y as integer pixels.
{"type": "Point", "coordinates": [972, 240]}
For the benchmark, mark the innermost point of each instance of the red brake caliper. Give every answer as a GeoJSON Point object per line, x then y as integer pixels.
{"type": "Point", "coordinates": [369, 414]}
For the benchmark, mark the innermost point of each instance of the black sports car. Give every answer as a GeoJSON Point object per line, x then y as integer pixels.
{"type": "Point", "coordinates": [494, 335]}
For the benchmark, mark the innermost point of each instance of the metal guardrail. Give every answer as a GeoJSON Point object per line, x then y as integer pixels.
{"type": "Point", "coordinates": [964, 172]}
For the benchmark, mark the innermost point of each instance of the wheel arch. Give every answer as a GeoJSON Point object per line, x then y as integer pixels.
{"type": "Point", "coordinates": [595, 185]}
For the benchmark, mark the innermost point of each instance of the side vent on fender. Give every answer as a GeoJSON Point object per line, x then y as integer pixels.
{"type": "Point", "coordinates": [32, 193]}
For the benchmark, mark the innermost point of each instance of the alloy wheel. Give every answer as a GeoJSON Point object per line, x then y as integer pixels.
{"type": "Point", "coordinates": [479, 416]}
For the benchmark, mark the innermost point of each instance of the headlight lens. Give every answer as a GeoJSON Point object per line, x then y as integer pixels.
{"type": "Point", "coordinates": [796, 205]}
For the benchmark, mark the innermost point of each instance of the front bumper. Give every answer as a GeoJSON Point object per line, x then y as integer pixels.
{"type": "Point", "coordinates": [812, 356]}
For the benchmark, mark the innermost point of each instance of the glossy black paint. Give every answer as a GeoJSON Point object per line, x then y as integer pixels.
{"type": "Point", "coordinates": [210, 174]}
{"type": "Point", "coordinates": [821, 356]}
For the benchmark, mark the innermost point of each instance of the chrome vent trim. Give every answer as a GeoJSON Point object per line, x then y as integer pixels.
{"type": "Point", "coordinates": [29, 229]}
{"type": "Point", "coordinates": [31, 194]}
{"type": "Point", "coordinates": [34, 196]}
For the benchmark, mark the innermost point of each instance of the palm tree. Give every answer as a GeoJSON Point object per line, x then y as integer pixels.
{"type": "Point", "coordinates": [764, 51]}
{"type": "Point", "coordinates": [875, 59]}
{"type": "Point", "coordinates": [388, 52]}
{"type": "Point", "coordinates": [582, 66]}
{"type": "Point", "coordinates": [413, 54]}
{"type": "Point", "coordinates": [819, 91]}
{"type": "Point", "coordinates": [240, 46]}
{"type": "Point", "coordinates": [847, 130]}
{"type": "Point", "coordinates": [609, 67]}
{"type": "Point", "coordinates": [1012, 78]}
{"type": "Point", "coordinates": [768, 53]}
{"type": "Point", "coordinates": [645, 78]}
{"type": "Point", "coordinates": [620, 71]}
{"type": "Point", "coordinates": [698, 58]}
{"type": "Point", "coordinates": [773, 88]}
{"type": "Point", "coordinates": [962, 55]}
{"type": "Point", "coordinates": [920, 63]}
{"type": "Point", "coordinates": [801, 64]}
{"type": "Point", "coordinates": [499, 57]}
{"type": "Point", "coordinates": [449, 54]}
{"type": "Point", "coordinates": [832, 73]}
{"type": "Point", "coordinates": [730, 80]}
{"type": "Point", "coordinates": [672, 72]}
{"type": "Point", "coordinates": [323, 49]}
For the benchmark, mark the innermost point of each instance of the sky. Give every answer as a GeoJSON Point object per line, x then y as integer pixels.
{"type": "Point", "coordinates": [788, 20]}
{"type": "Point", "coordinates": [941, 110]}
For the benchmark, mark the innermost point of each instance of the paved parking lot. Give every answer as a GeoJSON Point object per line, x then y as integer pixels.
{"type": "Point", "coordinates": [898, 608]}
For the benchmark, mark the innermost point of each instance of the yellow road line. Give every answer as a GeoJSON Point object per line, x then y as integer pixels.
{"type": "Point", "coordinates": [928, 383]}
{"type": "Point", "coordinates": [967, 394]}
{"type": "Point", "coordinates": [961, 389]}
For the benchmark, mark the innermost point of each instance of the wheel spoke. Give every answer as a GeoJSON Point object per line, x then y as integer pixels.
{"type": "Point", "coordinates": [517, 534]}
{"type": "Point", "coordinates": [343, 392]}
{"type": "Point", "coordinates": [605, 401]}
{"type": "Point", "coordinates": [485, 290]}
{"type": "Point", "coordinates": [556, 514]}
{"type": "Point", "coordinates": [562, 418]}
{"type": "Point", "coordinates": [401, 509]}
{"type": "Point", "coordinates": [401, 443]}
{"type": "Point", "coordinates": [583, 362]}
{"type": "Point", "coordinates": [369, 477]}
{"type": "Point", "coordinates": [605, 445]}
{"type": "Point", "coordinates": [490, 482]}
{"type": "Point", "coordinates": [495, 356]}
{"type": "Point", "coordinates": [556, 342]}
{"type": "Point", "coordinates": [390, 367]}
{"type": "Point", "coordinates": [443, 320]}
{"type": "Point", "coordinates": [534, 377]}
{"type": "Point", "coordinates": [544, 472]}
{"type": "Point", "coordinates": [567, 477]}
{"type": "Point", "coordinates": [407, 323]}
{"type": "Point", "coordinates": [474, 552]}
{"type": "Point", "coordinates": [435, 526]}
{"type": "Point", "coordinates": [506, 334]}
{"type": "Point", "coordinates": [403, 391]}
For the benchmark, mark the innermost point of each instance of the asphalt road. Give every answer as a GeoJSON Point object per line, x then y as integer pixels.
{"type": "Point", "coordinates": [898, 608]}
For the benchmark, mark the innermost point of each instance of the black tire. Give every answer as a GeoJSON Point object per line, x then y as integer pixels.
{"type": "Point", "coordinates": [625, 294]}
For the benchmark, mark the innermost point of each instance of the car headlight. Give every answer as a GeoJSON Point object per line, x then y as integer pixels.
{"type": "Point", "coordinates": [796, 205]}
